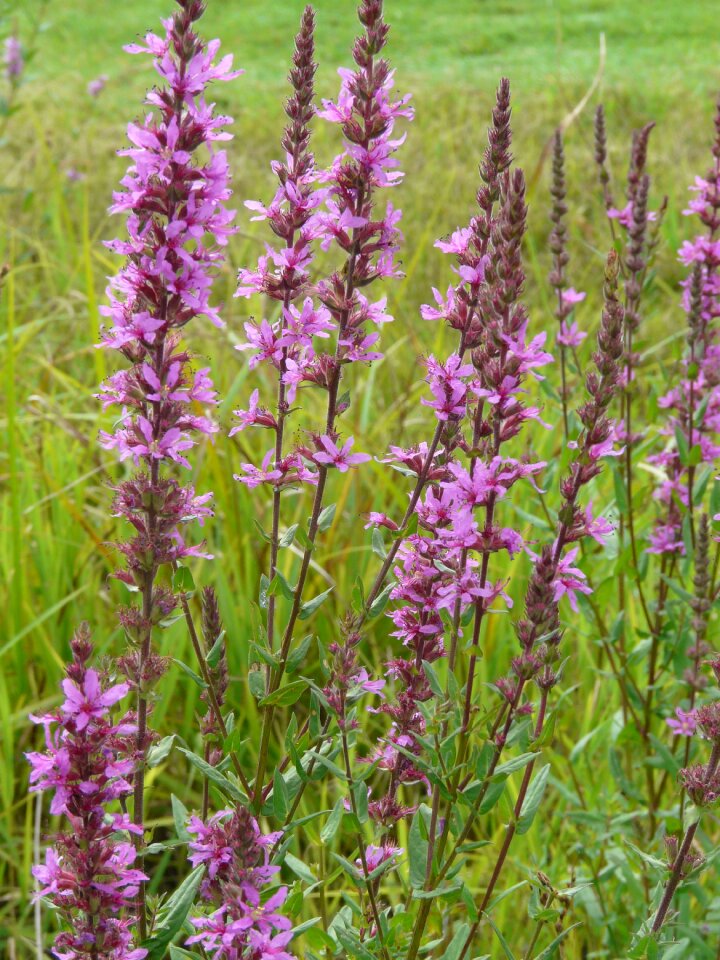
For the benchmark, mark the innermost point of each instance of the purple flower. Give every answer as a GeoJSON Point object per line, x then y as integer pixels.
{"type": "Point", "coordinates": [570, 336]}
{"type": "Point", "coordinates": [693, 402]}
{"type": "Point", "coordinates": [376, 856]}
{"type": "Point", "coordinates": [96, 86]}
{"type": "Point", "coordinates": [625, 216]}
{"type": "Point", "coordinates": [569, 580]}
{"type": "Point", "coordinates": [683, 724]}
{"type": "Point", "coordinates": [571, 296]}
{"type": "Point", "coordinates": [13, 58]}
{"type": "Point", "coordinates": [236, 853]}
{"type": "Point", "coordinates": [89, 873]}
{"type": "Point", "coordinates": [339, 457]}
{"type": "Point", "coordinates": [174, 196]}
{"type": "Point", "coordinates": [88, 701]}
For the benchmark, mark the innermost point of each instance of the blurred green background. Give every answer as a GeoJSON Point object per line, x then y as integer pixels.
{"type": "Point", "coordinates": [57, 173]}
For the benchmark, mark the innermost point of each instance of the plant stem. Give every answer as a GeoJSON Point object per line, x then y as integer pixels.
{"type": "Point", "coordinates": [679, 861]}
{"type": "Point", "coordinates": [212, 696]}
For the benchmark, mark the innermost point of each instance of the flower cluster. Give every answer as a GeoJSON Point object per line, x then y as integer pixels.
{"type": "Point", "coordinates": [13, 59]}
{"type": "Point", "coordinates": [693, 404]}
{"type": "Point", "coordinates": [348, 681]}
{"type": "Point", "coordinates": [89, 872]}
{"type": "Point", "coordinates": [553, 575]}
{"type": "Point", "coordinates": [174, 197]}
{"type": "Point", "coordinates": [332, 209]}
{"type": "Point", "coordinates": [442, 571]}
{"type": "Point", "coordinates": [235, 854]}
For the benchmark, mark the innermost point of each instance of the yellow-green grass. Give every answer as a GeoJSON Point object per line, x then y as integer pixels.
{"type": "Point", "coordinates": [55, 526]}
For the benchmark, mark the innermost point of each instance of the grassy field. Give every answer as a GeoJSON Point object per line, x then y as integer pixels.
{"type": "Point", "coordinates": [57, 175]}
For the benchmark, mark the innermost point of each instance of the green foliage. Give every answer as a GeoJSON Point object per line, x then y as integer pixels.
{"type": "Point", "coordinates": [583, 819]}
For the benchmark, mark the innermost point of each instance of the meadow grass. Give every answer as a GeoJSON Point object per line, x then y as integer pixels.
{"type": "Point", "coordinates": [54, 525]}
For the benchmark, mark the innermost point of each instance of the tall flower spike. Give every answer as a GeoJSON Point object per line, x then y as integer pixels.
{"type": "Point", "coordinates": [693, 404]}
{"type": "Point", "coordinates": [336, 310]}
{"type": "Point", "coordinates": [539, 631]}
{"type": "Point", "coordinates": [89, 873]}
{"type": "Point", "coordinates": [569, 335]}
{"type": "Point", "coordinates": [283, 275]}
{"type": "Point", "coordinates": [174, 196]}
{"type": "Point", "coordinates": [701, 781]}
{"type": "Point", "coordinates": [444, 567]}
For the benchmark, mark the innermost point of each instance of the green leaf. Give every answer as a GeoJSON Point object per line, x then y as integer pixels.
{"type": "Point", "coordinates": [532, 801]}
{"type": "Point", "coordinates": [263, 593]}
{"type": "Point", "coordinates": [299, 868]}
{"type": "Point", "coordinates": [494, 792]}
{"type": "Point", "coordinates": [182, 581]}
{"type": "Point", "coordinates": [503, 942]}
{"type": "Point", "coordinates": [682, 446]}
{"type": "Point", "coordinates": [309, 608]}
{"type": "Point", "coordinates": [178, 953]}
{"type": "Point", "coordinates": [333, 822]}
{"type": "Point", "coordinates": [285, 696]}
{"type": "Point", "coordinates": [174, 914]}
{"type": "Point", "coordinates": [279, 585]}
{"type": "Point", "coordinates": [378, 543]}
{"type": "Point", "coordinates": [180, 817]}
{"type": "Point", "coordinates": [432, 679]}
{"type": "Point", "coordinates": [620, 492]}
{"type": "Point", "coordinates": [287, 538]}
{"type": "Point", "coordinates": [380, 602]}
{"type": "Point", "coordinates": [160, 751]}
{"type": "Point", "coordinates": [214, 776]}
{"type": "Point", "coordinates": [327, 515]}
{"type": "Point", "coordinates": [266, 536]}
{"type": "Point", "coordinates": [256, 682]}
{"type": "Point", "coordinates": [550, 949]}
{"type": "Point", "coordinates": [360, 793]}
{"type": "Point", "coordinates": [646, 858]}
{"type": "Point", "coordinates": [280, 798]}
{"type": "Point", "coordinates": [191, 673]}
{"type": "Point", "coordinates": [417, 852]}
{"type": "Point", "coordinates": [214, 654]}
{"type": "Point", "coordinates": [297, 656]}
{"type": "Point", "coordinates": [517, 763]}
{"type": "Point", "coordinates": [437, 892]}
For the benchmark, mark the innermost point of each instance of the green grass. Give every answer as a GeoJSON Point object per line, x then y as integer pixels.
{"type": "Point", "coordinates": [54, 524]}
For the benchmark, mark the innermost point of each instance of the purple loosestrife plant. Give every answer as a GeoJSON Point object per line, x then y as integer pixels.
{"type": "Point", "coordinates": [700, 782]}
{"type": "Point", "coordinates": [554, 576]}
{"type": "Point", "coordinates": [338, 209]}
{"type": "Point", "coordinates": [89, 873]}
{"type": "Point", "coordinates": [174, 196]}
{"type": "Point", "coordinates": [13, 59]}
{"type": "Point", "coordinates": [417, 767]}
{"type": "Point", "coordinates": [694, 403]}
{"type": "Point", "coordinates": [244, 923]}
{"type": "Point", "coordinates": [569, 335]}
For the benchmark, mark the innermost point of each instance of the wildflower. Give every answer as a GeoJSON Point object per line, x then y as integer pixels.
{"type": "Point", "coordinates": [683, 724]}
{"type": "Point", "coordinates": [96, 86]}
{"type": "Point", "coordinates": [174, 197]}
{"type": "Point", "coordinates": [89, 873]}
{"type": "Point", "coordinates": [569, 580]}
{"type": "Point", "coordinates": [694, 403]}
{"type": "Point", "coordinates": [14, 60]}
{"type": "Point", "coordinates": [570, 336]}
{"type": "Point", "coordinates": [376, 856]}
{"type": "Point", "coordinates": [339, 457]}
{"type": "Point", "coordinates": [236, 855]}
